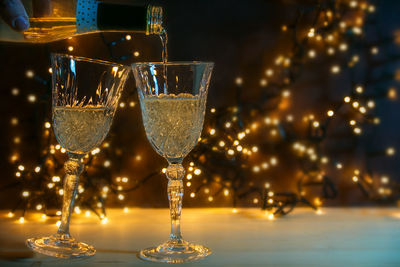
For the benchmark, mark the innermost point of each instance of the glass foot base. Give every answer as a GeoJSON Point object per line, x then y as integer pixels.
{"type": "Point", "coordinates": [56, 246]}
{"type": "Point", "coordinates": [175, 252]}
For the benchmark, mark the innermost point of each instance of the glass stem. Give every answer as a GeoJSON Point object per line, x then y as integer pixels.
{"type": "Point", "coordinates": [73, 168]}
{"type": "Point", "coordinates": [175, 173]}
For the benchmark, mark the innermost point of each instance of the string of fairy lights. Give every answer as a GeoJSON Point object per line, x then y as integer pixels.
{"type": "Point", "coordinates": [41, 183]}
{"type": "Point", "coordinates": [243, 145]}
{"type": "Point", "coordinates": [338, 28]}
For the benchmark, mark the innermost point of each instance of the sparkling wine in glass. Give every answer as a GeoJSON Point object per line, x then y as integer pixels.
{"type": "Point", "coordinates": [85, 97]}
{"type": "Point", "coordinates": [173, 99]}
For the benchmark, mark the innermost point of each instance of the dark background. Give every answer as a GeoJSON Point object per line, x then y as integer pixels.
{"type": "Point", "coordinates": [243, 38]}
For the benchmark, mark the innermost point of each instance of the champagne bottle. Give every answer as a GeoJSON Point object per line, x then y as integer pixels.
{"type": "Point", "coordinates": [62, 19]}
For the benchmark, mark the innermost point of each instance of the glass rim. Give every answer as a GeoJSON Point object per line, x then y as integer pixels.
{"type": "Point", "coordinates": [91, 60]}
{"type": "Point", "coordinates": [173, 63]}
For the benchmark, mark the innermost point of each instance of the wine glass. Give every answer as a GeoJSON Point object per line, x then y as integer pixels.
{"type": "Point", "coordinates": [85, 97]}
{"type": "Point", "coordinates": [173, 99]}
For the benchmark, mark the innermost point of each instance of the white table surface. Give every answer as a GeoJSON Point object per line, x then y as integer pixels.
{"type": "Point", "coordinates": [339, 237]}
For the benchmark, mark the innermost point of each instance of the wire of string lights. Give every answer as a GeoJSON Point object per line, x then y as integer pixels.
{"type": "Point", "coordinates": [339, 29]}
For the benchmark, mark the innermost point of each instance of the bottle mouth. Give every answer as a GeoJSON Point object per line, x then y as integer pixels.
{"type": "Point", "coordinates": [154, 20]}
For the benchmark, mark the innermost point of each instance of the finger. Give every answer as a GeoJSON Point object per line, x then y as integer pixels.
{"type": "Point", "coordinates": [41, 8]}
{"type": "Point", "coordinates": [14, 14]}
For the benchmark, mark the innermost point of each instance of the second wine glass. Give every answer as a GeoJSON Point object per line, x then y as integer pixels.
{"type": "Point", "coordinates": [85, 97]}
{"type": "Point", "coordinates": [173, 99]}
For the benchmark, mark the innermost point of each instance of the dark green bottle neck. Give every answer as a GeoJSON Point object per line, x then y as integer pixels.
{"type": "Point", "coordinates": [120, 17]}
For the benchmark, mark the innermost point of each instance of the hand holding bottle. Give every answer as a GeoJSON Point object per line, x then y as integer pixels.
{"type": "Point", "coordinates": [43, 21]}
{"type": "Point", "coordinates": [14, 14]}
